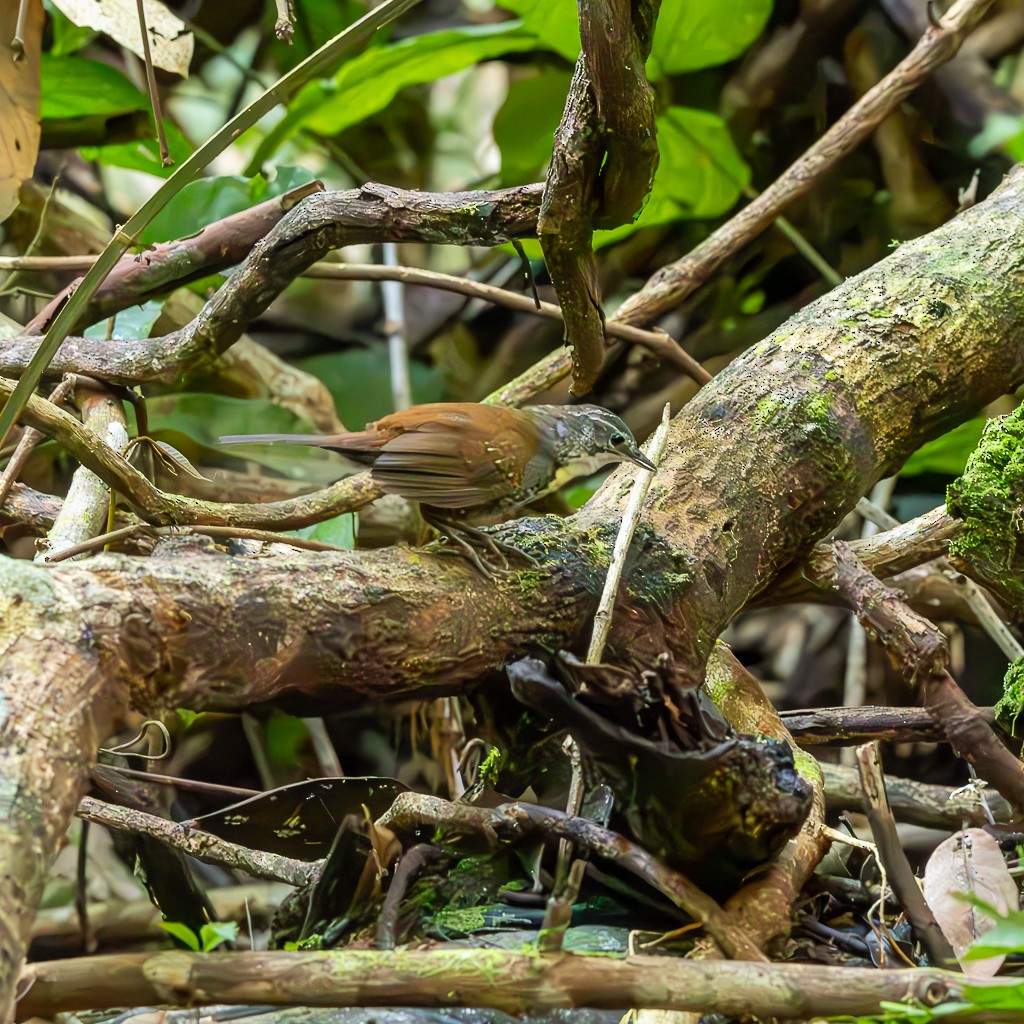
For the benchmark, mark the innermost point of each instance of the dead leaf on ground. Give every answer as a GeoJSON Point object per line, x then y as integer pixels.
{"type": "Point", "coordinates": [19, 99]}
{"type": "Point", "coordinates": [170, 45]}
{"type": "Point", "coordinates": [969, 863]}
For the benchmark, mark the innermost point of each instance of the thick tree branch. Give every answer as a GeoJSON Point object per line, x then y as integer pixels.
{"type": "Point", "coordinates": [514, 982]}
{"type": "Point", "coordinates": [767, 458]}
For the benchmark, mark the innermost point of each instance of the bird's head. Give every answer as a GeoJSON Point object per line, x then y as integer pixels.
{"type": "Point", "coordinates": [589, 433]}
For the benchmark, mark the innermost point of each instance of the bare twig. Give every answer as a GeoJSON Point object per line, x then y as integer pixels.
{"type": "Point", "coordinates": [393, 295]}
{"type": "Point", "coordinates": [890, 852]}
{"type": "Point", "coordinates": [670, 285]}
{"type": "Point", "coordinates": [974, 595]}
{"type": "Point", "coordinates": [919, 650]}
{"type": "Point", "coordinates": [517, 983]}
{"type": "Point", "coordinates": [196, 843]}
{"type": "Point", "coordinates": [630, 517]}
{"type": "Point", "coordinates": [154, 93]}
{"type": "Point", "coordinates": [242, 533]}
{"type": "Point", "coordinates": [916, 803]}
{"type": "Point", "coordinates": [850, 726]}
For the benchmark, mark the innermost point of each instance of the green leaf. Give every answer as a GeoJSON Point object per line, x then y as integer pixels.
{"type": "Point", "coordinates": [368, 83]}
{"type": "Point", "coordinates": [525, 125]}
{"type": "Point", "coordinates": [690, 34]}
{"type": "Point", "coordinates": [946, 454]}
{"type": "Point", "coordinates": [214, 933]}
{"type": "Point", "coordinates": [142, 154]}
{"type": "Point", "coordinates": [555, 22]}
{"type": "Point", "coordinates": [1002, 131]}
{"type": "Point", "coordinates": [371, 399]}
{"type": "Point", "coordinates": [182, 932]}
{"type": "Point", "coordinates": [76, 87]}
{"type": "Point", "coordinates": [700, 175]}
{"type": "Point", "coordinates": [339, 531]}
{"type": "Point", "coordinates": [134, 322]}
{"type": "Point", "coordinates": [192, 422]}
{"type": "Point", "coordinates": [1006, 938]}
{"type": "Point", "coordinates": [693, 34]}
{"type": "Point", "coordinates": [996, 997]}
{"type": "Point", "coordinates": [210, 199]}
{"type": "Point", "coordinates": [67, 36]}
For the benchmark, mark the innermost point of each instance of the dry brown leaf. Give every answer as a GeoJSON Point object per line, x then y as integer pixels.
{"type": "Point", "coordinates": [969, 862]}
{"type": "Point", "coordinates": [170, 45]}
{"type": "Point", "coordinates": [19, 100]}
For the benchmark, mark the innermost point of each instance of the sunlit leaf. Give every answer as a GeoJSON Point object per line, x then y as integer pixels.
{"type": "Point", "coordinates": [368, 83]}
{"type": "Point", "coordinates": [690, 34]}
{"type": "Point", "coordinates": [701, 173]}
{"type": "Point", "coordinates": [215, 933]}
{"type": "Point", "coordinates": [694, 34]}
{"type": "Point", "coordinates": [182, 932]}
{"type": "Point", "coordinates": [556, 22]}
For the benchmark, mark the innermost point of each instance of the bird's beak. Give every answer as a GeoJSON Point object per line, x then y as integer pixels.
{"type": "Point", "coordinates": [640, 459]}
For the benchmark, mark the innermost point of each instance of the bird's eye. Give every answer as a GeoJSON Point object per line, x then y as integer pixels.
{"type": "Point", "coordinates": [618, 439]}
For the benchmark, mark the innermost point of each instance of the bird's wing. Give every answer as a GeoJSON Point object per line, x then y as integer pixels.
{"type": "Point", "coordinates": [453, 459]}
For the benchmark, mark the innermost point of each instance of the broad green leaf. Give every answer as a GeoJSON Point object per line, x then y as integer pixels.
{"type": "Point", "coordinates": [525, 125]}
{"type": "Point", "coordinates": [181, 932]}
{"type": "Point", "coordinates": [946, 454]}
{"type": "Point", "coordinates": [209, 199]}
{"type": "Point", "coordinates": [700, 175]}
{"type": "Point", "coordinates": [689, 34]}
{"type": "Point", "coordinates": [76, 87]}
{"type": "Point", "coordinates": [693, 34]}
{"type": "Point", "coordinates": [554, 22]}
{"type": "Point", "coordinates": [368, 83]}
{"type": "Point", "coordinates": [134, 322]}
{"type": "Point", "coordinates": [359, 380]}
{"type": "Point", "coordinates": [142, 154]}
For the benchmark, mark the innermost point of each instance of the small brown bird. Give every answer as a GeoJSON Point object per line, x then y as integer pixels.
{"type": "Point", "coordinates": [462, 460]}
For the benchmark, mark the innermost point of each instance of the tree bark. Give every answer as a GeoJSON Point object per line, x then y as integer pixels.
{"type": "Point", "coordinates": [766, 459]}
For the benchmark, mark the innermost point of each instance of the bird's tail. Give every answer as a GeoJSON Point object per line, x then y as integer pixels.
{"type": "Point", "coordinates": [318, 440]}
{"type": "Point", "coordinates": [362, 446]}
